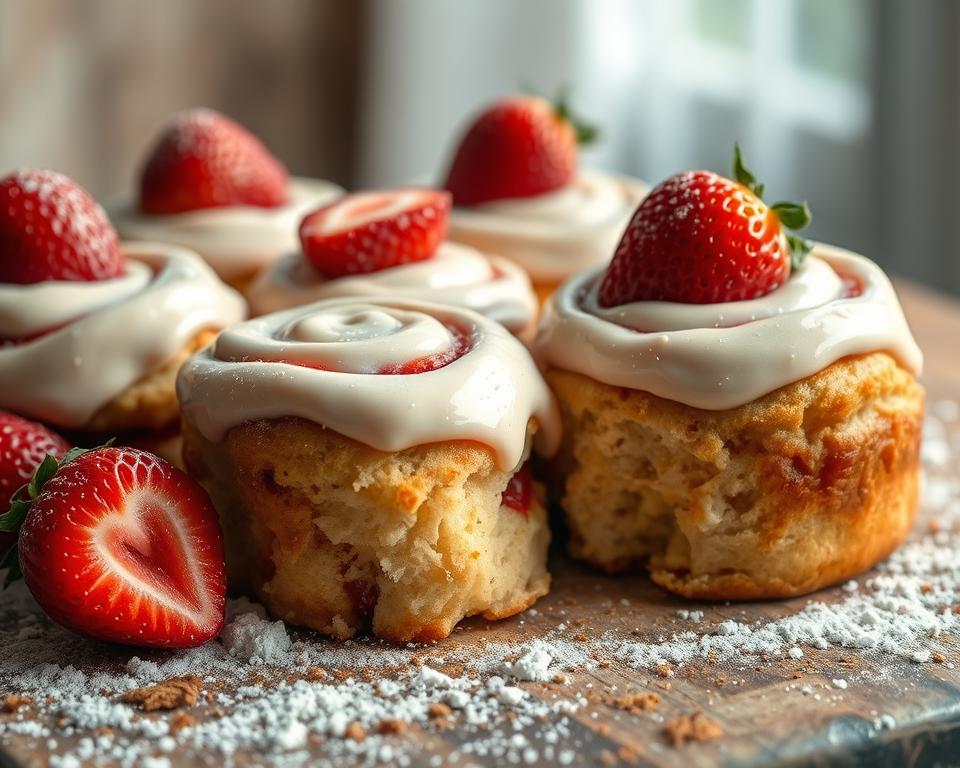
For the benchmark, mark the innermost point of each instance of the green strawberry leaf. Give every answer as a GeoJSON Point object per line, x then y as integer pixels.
{"type": "Point", "coordinates": [792, 215]}
{"type": "Point", "coordinates": [743, 175]}
{"type": "Point", "coordinates": [585, 132]}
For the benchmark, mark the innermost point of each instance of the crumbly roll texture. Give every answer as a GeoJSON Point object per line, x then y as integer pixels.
{"type": "Point", "coordinates": [802, 488]}
{"type": "Point", "coordinates": [331, 534]}
{"type": "Point", "coordinates": [151, 402]}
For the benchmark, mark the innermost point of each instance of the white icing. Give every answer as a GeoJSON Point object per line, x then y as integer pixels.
{"type": "Point", "coordinates": [728, 358]}
{"type": "Point", "coordinates": [456, 275]}
{"type": "Point", "coordinates": [27, 310]}
{"type": "Point", "coordinates": [487, 395]}
{"type": "Point", "coordinates": [65, 376]}
{"type": "Point", "coordinates": [555, 235]}
{"type": "Point", "coordinates": [237, 241]}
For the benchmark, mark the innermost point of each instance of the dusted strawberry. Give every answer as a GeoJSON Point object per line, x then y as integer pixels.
{"type": "Point", "coordinates": [700, 238]}
{"type": "Point", "coordinates": [23, 445]}
{"type": "Point", "coordinates": [369, 231]}
{"type": "Point", "coordinates": [520, 147]}
{"type": "Point", "coordinates": [119, 545]}
{"type": "Point", "coordinates": [52, 229]}
{"type": "Point", "coordinates": [206, 160]}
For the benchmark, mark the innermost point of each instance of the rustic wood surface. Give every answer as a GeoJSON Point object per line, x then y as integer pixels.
{"type": "Point", "coordinates": [763, 722]}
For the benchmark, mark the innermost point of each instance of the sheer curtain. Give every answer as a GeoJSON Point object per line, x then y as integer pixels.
{"type": "Point", "coordinates": [847, 104]}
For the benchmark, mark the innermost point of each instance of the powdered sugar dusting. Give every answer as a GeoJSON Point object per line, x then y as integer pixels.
{"type": "Point", "coordinates": [524, 691]}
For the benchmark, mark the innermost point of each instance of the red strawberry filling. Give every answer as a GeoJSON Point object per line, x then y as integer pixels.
{"type": "Point", "coordinates": [369, 231]}
{"type": "Point", "coordinates": [518, 495]}
{"type": "Point", "coordinates": [462, 341]}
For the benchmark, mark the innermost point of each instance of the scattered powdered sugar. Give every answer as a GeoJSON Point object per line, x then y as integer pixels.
{"type": "Point", "coordinates": [257, 641]}
{"type": "Point", "coordinates": [285, 695]}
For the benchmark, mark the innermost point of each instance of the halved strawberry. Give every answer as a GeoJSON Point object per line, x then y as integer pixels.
{"type": "Point", "coordinates": [119, 545]}
{"type": "Point", "coordinates": [518, 495]}
{"type": "Point", "coordinates": [700, 238]}
{"type": "Point", "coordinates": [369, 231]}
{"type": "Point", "coordinates": [52, 229]}
{"type": "Point", "coordinates": [519, 147]}
{"type": "Point", "coordinates": [206, 160]}
{"type": "Point", "coordinates": [23, 446]}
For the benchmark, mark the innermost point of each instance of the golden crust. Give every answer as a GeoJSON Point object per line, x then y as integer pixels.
{"type": "Point", "coordinates": [150, 403]}
{"type": "Point", "coordinates": [799, 489]}
{"type": "Point", "coordinates": [334, 535]}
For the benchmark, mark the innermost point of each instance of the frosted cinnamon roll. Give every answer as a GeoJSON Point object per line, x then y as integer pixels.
{"type": "Point", "coordinates": [518, 192]}
{"type": "Point", "coordinates": [449, 273]}
{"type": "Point", "coordinates": [740, 416]}
{"type": "Point", "coordinates": [92, 332]}
{"type": "Point", "coordinates": [211, 186]}
{"type": "Point", "coordinates": [368, 458]}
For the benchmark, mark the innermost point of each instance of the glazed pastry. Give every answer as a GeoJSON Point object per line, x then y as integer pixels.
{"type": "Point", "coordinates": [93, 332]}
{"type": "Point", "coordinates": [357, 246]}
{"type": "Point", "coordinates": [518, 192]}
{"type": "Point", "coordinates": [211, 186]}
{"type": "Point", "coordinates": [368, 462]}
{"type": "Point", "coordinates": [744, 431]}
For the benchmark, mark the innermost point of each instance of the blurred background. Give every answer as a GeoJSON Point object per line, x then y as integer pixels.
{"type": "Point", "coordinates": [851, 104]}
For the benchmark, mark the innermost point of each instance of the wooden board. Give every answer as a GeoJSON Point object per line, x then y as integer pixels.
{"type": "Point", "coordinates": [764, 718]}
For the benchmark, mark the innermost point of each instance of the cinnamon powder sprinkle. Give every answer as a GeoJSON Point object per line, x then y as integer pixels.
{"type": "Point", "coordinates": [637, 702]}
{"type": "Point", "coordinates": [690, 728]}
{"type": "Point", "coordinates": [13, 702]}
{"type": "Point", "coordinates": [167, 694]}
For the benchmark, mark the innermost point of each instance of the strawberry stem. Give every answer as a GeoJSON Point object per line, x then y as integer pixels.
{"type": "Point", "coordinates": [792, 216]}
{"type": "Point", "coordinates": [21, 501]}
{"type": "Point", "coordinates": [585, 132]}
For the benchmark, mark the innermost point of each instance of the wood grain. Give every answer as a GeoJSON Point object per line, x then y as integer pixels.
{"type": "Point", "coordinates": [765, 720]}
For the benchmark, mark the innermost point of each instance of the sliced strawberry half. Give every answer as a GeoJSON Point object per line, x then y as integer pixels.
{"type": "Point", "coordinates": [206, 160]}
{"type": "Point", "coordinates": [369, 231]}
{"type": "Point", "coordinates": [117, 544]}
{"type": "Point", "coordinates": [52, 229]}
{"type": "Point", "coordinates": [23, 446]}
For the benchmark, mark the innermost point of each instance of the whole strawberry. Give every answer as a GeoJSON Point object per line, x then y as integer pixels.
{"type": "Point", "coordinates": [369, 231]}
{"type": "Point", "coordinates": [117, 544]}
{"type": "Point", "coordinates": [23, 446]}
{"type": "Point", "coordinates": [700, 238]}
{"type": "Point", "coordinates": [52, 229]}
{"type": "Point", "coordinates": [206, 160]}
{"type": "Point", "coordinates": [520, 147]}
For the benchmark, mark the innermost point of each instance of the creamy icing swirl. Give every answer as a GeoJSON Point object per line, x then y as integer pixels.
{"type": "Point", "coordinates": [718, 356]}
{"type": "Point", "coordinates": [237, 241]}
{"type": "Point", "coordinates": [555, 235]}
{"type": "Point", "coordinates": [456, 274]}
{"type": "Point", "coordinates": [106, 335]}
{"type": "Point", "coordinates": [320, 362]}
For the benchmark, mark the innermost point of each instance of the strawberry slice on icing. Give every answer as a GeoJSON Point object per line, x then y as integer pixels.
{"type": "Point", "coordinates": [368, 231]}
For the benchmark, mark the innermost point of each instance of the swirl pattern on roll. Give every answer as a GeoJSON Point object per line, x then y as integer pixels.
{"type": "Point", "coordinates": [391, 374]}
{"type": "Point", "coordinates": [719, 356]}
{"type": "Point", "coordinates": [74, 346]}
